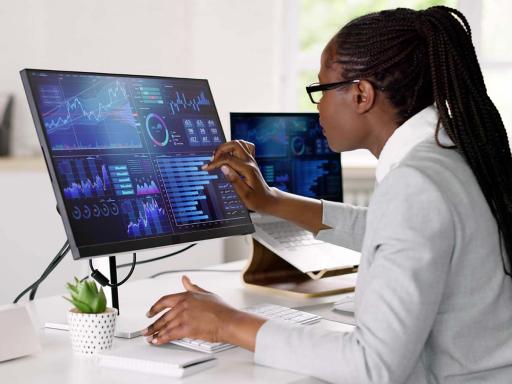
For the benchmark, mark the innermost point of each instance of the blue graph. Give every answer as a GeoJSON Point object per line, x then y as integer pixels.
{"type": "Point", "coordinates": [179, 102]}
{"type": "Point", "coordinates": [98, 115]}
{"type": "Point", "coordinates": [186, 185]}
{"type": "Point", "coordinates": [145, 217]}
{"type": "Point", "coordinates": [83, 179]}
{"type": "Point", "coordinates": [316, 177]}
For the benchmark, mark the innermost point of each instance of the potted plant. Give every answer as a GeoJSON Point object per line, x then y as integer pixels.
{"type": "Point", "coordinates": [91, 323]}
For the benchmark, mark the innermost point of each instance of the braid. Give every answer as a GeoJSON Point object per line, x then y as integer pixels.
{"type": "Point", "coordinates": [426, 57]}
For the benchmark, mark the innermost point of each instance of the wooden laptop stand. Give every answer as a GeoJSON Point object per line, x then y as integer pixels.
{"type": "Point", "coordinates": [267, 271]}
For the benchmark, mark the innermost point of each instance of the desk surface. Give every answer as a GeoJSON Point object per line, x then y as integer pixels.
{"type": "Point", "coordinates": [57, 363]}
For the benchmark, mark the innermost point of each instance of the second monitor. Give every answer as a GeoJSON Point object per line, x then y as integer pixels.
{"type": "Point", "coordinates": [292, 153]}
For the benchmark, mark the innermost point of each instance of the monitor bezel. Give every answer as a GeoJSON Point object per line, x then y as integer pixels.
{"type": "Point", "coordinates": [113, 248]}
{"type": "Point", "coordinates": [280, 114]}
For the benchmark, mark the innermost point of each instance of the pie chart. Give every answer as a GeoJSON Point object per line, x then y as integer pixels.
{"type": "Point", "coordinates": [157, 129]}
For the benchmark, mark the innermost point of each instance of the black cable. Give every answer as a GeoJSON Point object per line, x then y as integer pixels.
{"type": "Point", "coordinates": [56, 260]}
{"type": "Point", "coordinates": [100, 278]}
{"type": "Point", "coordinates": [53, 264]}
{"type": "Point", "coordinates": [193, 270]}
{"type": "Point", "coordinates": [65, 249]}
{"type": "Point", "coordinates": [151, 260]}
{"type": "Point", "coordinates": [159, 257]}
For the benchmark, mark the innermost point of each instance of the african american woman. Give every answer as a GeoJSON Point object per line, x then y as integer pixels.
{"type": "Point", "coordinates": [433, 300]}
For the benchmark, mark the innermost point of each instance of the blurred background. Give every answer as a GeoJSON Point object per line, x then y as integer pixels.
{"type": "Point", "coordinates": [257, 55]}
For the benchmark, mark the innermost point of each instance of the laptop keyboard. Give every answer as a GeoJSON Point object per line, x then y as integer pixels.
{"type": "Point", "coordinates": [268, 311]}
{"type": "Point", "coordinates": [288, 234]}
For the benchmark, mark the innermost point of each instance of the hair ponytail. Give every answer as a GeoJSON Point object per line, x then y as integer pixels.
{"type": "Point", "coordinates": [425, 57]}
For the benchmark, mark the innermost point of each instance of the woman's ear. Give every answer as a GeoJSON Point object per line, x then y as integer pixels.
{"type": "Point", "coordinates": [364, 96]}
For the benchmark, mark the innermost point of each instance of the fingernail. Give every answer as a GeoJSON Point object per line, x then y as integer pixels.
{"type": "Point", "coordinates": [144, 331]}
{"type": "Point", "coordinates": [148, 314]}
{"type": "Point", "coordinates": [204, 166]}
{"type": "Point", "coordinates": [225, 170]}
{"type": "Point", "coordinates": [149, 339]}
{"type": "Point", "coordinates": [213, 157]}
{"type": "Point", "coordinates": [154, 341]}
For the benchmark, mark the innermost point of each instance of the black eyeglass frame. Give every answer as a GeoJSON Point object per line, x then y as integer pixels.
{"type": "Point", "coordinates": [317, 87]}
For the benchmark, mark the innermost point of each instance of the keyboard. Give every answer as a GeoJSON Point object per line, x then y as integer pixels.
{"type": "Point", "coordinates": [267, 311]}
{"type": "Point", "coordinates": [289, 234]}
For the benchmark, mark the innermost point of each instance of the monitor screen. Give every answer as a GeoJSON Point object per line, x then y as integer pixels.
{"type": "Point", "coordinates": [292, 152]}
{"type": "Point", "coordinates": [125, 154]}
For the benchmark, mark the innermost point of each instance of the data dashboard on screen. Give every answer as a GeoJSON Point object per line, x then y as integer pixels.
{"type": "Point", "coordinates": [125, 155]}
{"type": "Point", "coordinates": [292, 152]}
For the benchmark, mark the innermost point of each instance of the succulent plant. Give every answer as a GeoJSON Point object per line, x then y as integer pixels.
{"type": "Point", "coordinates": [86, 297]}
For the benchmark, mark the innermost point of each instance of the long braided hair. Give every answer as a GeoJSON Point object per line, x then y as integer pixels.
{"type": "Point", "coordinates": [426, 57]}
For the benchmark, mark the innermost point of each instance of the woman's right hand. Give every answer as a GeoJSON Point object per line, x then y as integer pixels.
{"type": "Point", "coordinates": [236, 161]}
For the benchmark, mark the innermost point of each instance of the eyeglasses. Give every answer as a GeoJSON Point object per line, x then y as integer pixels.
{"type": "Point", "coordinates": [314, 88]}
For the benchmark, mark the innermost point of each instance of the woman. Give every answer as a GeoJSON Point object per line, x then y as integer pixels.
{"type": "Point", "coordinates": [434, 290]}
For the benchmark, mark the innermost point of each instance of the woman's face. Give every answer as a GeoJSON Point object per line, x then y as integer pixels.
{"type": "Point", "coordinates": [343, 126]}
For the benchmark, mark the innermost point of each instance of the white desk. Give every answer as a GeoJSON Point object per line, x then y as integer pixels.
{"type": "Point", "coordinates": [57, 363]}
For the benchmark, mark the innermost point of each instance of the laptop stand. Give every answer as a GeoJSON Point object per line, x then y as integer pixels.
{"type": "Point", "coordinates": [267, 271]}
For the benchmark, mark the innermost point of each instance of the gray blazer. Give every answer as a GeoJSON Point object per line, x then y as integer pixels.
{"type": "Point", "coordinates": [433, 304]}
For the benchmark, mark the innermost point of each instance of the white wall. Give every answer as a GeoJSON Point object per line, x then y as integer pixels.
{"type": "Point", "coordinates": [236, 44]}
{"type": "Point", "coordinates": [233, 43]}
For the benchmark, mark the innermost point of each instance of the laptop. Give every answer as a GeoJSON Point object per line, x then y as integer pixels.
{"type": "Point", "coordinates": [293, 156]}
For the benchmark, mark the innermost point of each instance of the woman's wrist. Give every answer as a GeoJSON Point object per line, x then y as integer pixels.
{"type": "Point", "coordinates": [273, 202]}
{"type": "Point", "coordinates": [241, 329]}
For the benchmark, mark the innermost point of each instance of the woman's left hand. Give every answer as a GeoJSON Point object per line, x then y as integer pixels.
{"type": "Point", "coordinates": [199, 314]}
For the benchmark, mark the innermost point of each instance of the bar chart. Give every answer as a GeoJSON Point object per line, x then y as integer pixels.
{"type": "Point", "coordinates": [187, 186]}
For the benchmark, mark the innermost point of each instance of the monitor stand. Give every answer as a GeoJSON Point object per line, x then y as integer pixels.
{"type": "Point", "coordinates": [127, 327]}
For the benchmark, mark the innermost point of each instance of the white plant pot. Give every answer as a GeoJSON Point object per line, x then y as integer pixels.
{"type": "Point", "coordinates": [90, 332]}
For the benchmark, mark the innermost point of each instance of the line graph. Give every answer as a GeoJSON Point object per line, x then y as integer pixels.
{"type": "Point", "coordinates": [145, 217]}
{"type": "Point", "coordinates": [98, 115]}
{"type": "Point", "coordinates": [179, 102]}
{"type": "Point", "coordinates": [83, 179]}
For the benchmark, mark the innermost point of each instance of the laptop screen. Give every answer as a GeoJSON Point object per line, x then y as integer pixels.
{"type": "Point", "coordinates": [292, 153]}
{"type": "Point", "coordinates": [125, 155]}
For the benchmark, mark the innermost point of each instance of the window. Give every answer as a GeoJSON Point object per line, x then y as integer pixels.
{"type": "Point", "coordinates": [319, 20]}
{"type": "Point", "coordinates": [489, 19]}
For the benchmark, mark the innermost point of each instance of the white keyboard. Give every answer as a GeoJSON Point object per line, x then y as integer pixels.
{"type": "Point", "coordinates": [288, 234]}
{"type": "Point", "coordinates": [268, 311]}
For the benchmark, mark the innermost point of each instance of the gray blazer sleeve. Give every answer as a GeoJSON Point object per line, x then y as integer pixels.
{"type": "Point", "coordinates": [409, 241]}
{"type": "Point", "coordinates": [348, 224]}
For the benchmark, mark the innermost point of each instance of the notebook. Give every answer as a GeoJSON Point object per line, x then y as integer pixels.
{"type": "Point", "coordinates": [294, 156]}
{"type": "Point", "coordinates": [167, 360]}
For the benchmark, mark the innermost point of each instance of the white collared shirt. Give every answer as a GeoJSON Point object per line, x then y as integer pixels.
{"type": "Point", "coordinates": [409, 134]}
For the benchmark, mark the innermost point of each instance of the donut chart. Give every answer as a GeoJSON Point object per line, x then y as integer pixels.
{"type": "Point", "coordinates": [298, 146]}
{"type": "Point", "coordinates": [157, 129]}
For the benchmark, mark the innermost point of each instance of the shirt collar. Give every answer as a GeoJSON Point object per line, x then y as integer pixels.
{"type": "Point", "coordinates": [416, 129]}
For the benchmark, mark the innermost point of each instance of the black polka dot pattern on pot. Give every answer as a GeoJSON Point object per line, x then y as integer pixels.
{"type": "Point", "coordinates": [91, 333]}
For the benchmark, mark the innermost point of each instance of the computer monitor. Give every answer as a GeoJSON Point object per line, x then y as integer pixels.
{"type": "Point", "coordinates": [124, 153]}
{"type": "Point", "coordinates": [292, 152]}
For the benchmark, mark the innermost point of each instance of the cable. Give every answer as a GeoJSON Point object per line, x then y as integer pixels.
{"type": "Point", "coordinates": [159, 257]}
{"type": "Point", "coordinates": [100, 277]}
{"type": "Point", "coordinates": [193, 270]}
{"type": "Point", "coordinates": [56, 260]}
{"type": "Point", "coordinates": [104, 281]}
{"type": "Point", "coordinates": [53, 264]}
{"type": "Point", "coordinates": [151, 260]}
